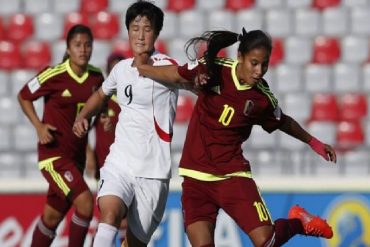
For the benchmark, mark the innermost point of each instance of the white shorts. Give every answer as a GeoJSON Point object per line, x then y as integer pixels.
{"type": "Point", "coordinates": [145, 199]}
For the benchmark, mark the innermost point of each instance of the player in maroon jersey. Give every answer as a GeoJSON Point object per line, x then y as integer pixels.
{"type": "Point", "coordinates": [65, 89]}
{"type": "Point", "coordinates": [233, 96]}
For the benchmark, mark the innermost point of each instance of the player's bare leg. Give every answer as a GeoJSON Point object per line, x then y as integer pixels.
{"type": "Point", "coordinates": [201, 233]}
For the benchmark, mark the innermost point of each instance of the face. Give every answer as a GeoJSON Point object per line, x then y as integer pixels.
{"type": "Point", "coordinates": [141, 35]}
{"type": "Point", "coordinates": [252, 66]}
{"type": "Point", "coordinates": [80, 49]}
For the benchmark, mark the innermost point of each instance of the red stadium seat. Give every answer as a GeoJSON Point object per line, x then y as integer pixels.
{"type": "Point", "coordinates": [236, 5]}
{"type": "Point", "coordinates": [185, 105]}
{"type": "Point", "coordinates": [36, 55]}
{"type": "Point", "coordinates": [72, 19]}
{"type": "Point", "coordinates": [105, 25]}
{"type": "Point", "coordinates": [10, 57]}
{"type": "Point", "coordinates": [277, 54]}
{"type": "Point", "coordinates": [93, 6]}
{"type": "Point", "coordinates": [180, 5]}
{"type": "Point", "coordinates": [122, 47]}
{"type": "Point", "coordinates": [2, 31]}
{"type": "Point", "coordinates": [323, 4]}
{"type": "Point", "coordinates": [350, 134]}
{"type": "Point", "coordinates": [326, 50]}
{"type": "Point", "coordinates": [161, 46]}
{"type": "Point", "coordinates": [20, 27]}
{"type": "Point", "coordinates": [203, 47]}
{"type": "Point", "coordinates": [324, 108]}
{"type": "Point", "coordinates": [352, 106]}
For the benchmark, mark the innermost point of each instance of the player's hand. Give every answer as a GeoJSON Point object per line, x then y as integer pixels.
{"type": "Point", "coordinates": [80, 127]}
{"type": "Point", "coordinates": [107, 123]}
{"type": "Point", "coordinates": [44, 133]}
{"type": "Point", "coordinates": [324, 150]}
{"type": "Point", "coordinates": [200, 80]}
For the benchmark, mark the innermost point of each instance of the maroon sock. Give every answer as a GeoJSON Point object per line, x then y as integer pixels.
{"type": "Point", "coordinates": [284, 230]}
{"type": "Point", "coordinates": [42, 236]}
{"type": "Point", "coordinates": [78, 230]}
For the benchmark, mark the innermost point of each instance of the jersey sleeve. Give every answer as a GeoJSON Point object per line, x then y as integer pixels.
{"type": "Point", "coordinates": [274, 118]}
{"type": "Point", "coordinates": [109, 86]}
{"type": "Point", "coordinates": [37, 87]}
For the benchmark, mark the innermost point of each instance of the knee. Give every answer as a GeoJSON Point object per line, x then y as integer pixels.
{"type": "Point", "coordinates": [84, 204]}
{"type": "Point", "coordinates": [111, 217]}
{"type": "Point", "coordinates": [52, 220]}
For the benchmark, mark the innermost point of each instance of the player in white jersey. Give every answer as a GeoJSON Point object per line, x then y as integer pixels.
{"type": "Point", "coordinates": [135, 177]}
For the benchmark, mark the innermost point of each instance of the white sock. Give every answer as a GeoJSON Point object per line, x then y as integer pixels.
{"type": "Point", "coordinates": [105, 236]}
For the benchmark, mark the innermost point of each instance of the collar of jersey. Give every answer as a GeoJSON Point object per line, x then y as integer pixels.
{"type": "Point", "coordinates": [79, 79]}
{"type": "Point", "coordinates": [238, 85]}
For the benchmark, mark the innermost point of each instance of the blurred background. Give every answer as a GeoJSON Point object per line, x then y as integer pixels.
{"type": "Point", "coordinates": [319, 71]}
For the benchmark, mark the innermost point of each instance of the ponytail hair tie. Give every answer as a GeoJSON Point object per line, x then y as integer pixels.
{"type": "Point", "coordinates": [242, 35]}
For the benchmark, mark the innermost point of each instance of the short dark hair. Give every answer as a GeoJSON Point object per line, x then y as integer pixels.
{"type": "Point", "coordinates": [148, 9]}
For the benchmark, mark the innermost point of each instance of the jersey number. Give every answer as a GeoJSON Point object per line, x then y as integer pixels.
{"type": "Point", "coordinates": [261, 210]}
{"type": "Point", "coordinates": [226, 115]}
{"type": "Point", "coordinates": [128, 93]}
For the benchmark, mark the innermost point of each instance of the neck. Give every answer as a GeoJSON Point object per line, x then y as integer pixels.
{"type": "Point", "coordinates": [78, 70]}
{"type": "Point", "coordinates": [142, 58]}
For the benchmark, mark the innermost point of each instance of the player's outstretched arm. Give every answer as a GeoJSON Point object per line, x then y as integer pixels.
{"type": "Point", "coordinates": [294, 129]}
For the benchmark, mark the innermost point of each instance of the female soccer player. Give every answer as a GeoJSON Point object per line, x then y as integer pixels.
{"type": "Point", "coordinates": [134, 180]}
{"type": "Point", "coordinates": [65, 89]}
{"type": "Point", "coordinates": [233, 96]}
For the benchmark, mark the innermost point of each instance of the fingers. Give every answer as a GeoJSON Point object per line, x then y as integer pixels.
{"type": "Point", "coordinates": [331, 153]}
{"type": "Point", "coordinates": [80, 127]}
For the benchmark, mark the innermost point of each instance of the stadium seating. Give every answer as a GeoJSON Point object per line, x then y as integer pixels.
{"type": "Point", "coordinates": [10, 56]}
{"type": "Point", "coordinates": [324, 108]}
{"type": "Point", "coordinates": [353, 106]}
{"type": "Point", "coordinates": [36, 55]}
{"type": "Point", "coordinates": [277, 54]}
{"type": "Point", "coordinates": [180, 5]}
{"type": "Point", "coordinates": [185, 105]}
{"type": "Point", "coordinates": [319, 69]}
{"type": "Point", "coordinates": [237, 5]}
{"type": "Point", "coordinates": [350, 135]}
{"type": "Point", "coordinates": [326, 50]}
{"type": "Point", "coordinates": [93, 6]}
{"type": "Point", "coordinates": [105, 25]}
{"type": "Point", "coordinates": [322, 4]}
{"type": "Point", "coordinates": [72, 19]}
{"type": "Point", "coordinates": [19, 27]}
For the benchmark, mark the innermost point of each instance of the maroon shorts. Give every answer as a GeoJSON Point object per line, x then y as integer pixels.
{"type": "Point", "coordinates": [66, 182]}
{"type": "Point", "coordinates": [238, 197]}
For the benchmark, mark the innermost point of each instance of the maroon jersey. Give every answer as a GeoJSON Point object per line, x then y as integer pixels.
{"type": "Point", "coordinates": [64, 93]}
{"type": "Point", "coordinates": [222, 120]}
{"type": "Point", "coordinates": [105, 138]}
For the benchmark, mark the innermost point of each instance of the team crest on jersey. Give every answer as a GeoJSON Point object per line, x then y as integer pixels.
{"type": "Point", "coordinates": [68, 175]}
{"type": "Point", "coordinates": [248, 107]}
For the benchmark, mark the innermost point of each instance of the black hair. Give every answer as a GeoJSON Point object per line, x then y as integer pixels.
{"type": "Point", "coordinates": [74, 30]}
{"type": "Point", "coordinates": [149, 10]}
{"type": "Point", "coordinates": [216, 40]}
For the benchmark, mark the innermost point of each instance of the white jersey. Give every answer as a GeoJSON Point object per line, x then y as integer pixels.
{"type": "Point", "coordinates": [144, 130]}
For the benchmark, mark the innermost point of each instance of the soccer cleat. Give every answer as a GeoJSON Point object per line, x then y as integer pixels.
{"type": "Point", "coordinates": [312, 225]}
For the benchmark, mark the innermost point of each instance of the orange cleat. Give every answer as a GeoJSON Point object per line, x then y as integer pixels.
{"type": "Point", "coordinates": [312, 225]}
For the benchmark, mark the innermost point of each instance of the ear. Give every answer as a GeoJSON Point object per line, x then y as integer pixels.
{"type": "Point", "coordinates": [240, 57]}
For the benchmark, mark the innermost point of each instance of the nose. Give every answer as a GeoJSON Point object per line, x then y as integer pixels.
{"type": "Point", "coordinates": [141, 34]}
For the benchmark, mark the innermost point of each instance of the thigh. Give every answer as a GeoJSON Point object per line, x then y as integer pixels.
{"type": "Point", "coordinates": [241, 200]}
{"type": "Point", "coordinates": [65, 180]}
{"type": "Point", "coordinates": [198, 202]}
{"type": "Point", "coordinates": [201, 233]}
{"type": "Point", "coordinates": [147, 208]}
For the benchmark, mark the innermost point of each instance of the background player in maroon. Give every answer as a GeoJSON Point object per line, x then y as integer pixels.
{"type": "Point", "coordinates": [65, 89]}
{"type": "Point", "coordinates": [233, 98]}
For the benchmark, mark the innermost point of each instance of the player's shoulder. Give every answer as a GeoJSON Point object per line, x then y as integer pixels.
{"type": "Point", "coordinates": [93, 69]}
{"type": "Point", "coordinates": [162, 59]}
{"type": "Point", "coordinates": [51, 72]}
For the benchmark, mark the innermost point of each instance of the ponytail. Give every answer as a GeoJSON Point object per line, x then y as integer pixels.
{"type": "Point", "coordinates": [215, 40]}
